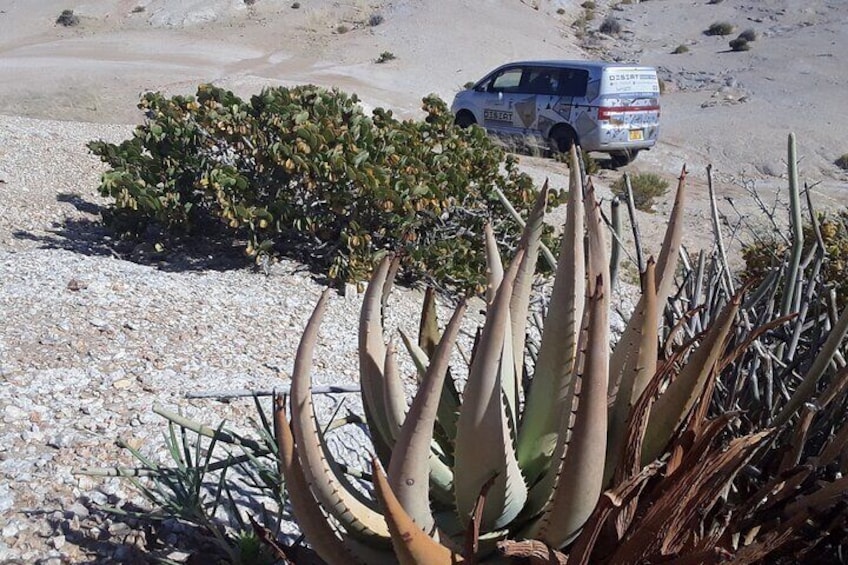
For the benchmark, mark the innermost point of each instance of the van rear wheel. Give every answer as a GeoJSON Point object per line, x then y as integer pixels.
{"type": "Point", "coordinates": [622, 158]}
{"type": "Point", "coordinates": [562, 138]}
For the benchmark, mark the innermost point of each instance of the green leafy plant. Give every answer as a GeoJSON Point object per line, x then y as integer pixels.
{"type": "Point", "coordinates": [647, 187]}
{"type": "Point", "coordinates": [342, 29]}
{"type": "Point", "coordinates": [610, 26]}
{"type": "Point", "coordinates": [305, 170]}
{"type": "Point", "coordinates": [748, 35]}
{"type": "Point", "coordinates": [68, 19]}
{"type": "Point", "coordinates": [385, 57]}
{"type": "Point", "coordinates": [680, 49]}
{"type": "Point", "coordinates": [720, 28]}
{"type": "Point", "coordinates": [842, 162]}
{"type": "Point", "coordinates": [739, 44]}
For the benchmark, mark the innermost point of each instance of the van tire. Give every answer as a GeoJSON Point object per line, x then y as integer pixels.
{"type": "Point", "coordinates": [622, 158]}
{"type": "Point", "coordinates": [465, 119]}
{"type": "Point", "coordinates": [562, 137]}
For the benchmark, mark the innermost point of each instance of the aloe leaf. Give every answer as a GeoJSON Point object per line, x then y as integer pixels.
{"type": "Point", "coordinates": [409, 469]}
{"type": "Point", "coordinates": [311, 520]}
{"type": "Point", "coordinates": [537, 436]}
{"type": "Point", "coordinates": [428, 329]}
{"type": "Point", "coordinates": [449, 404]}
{"type": "Point", "coordinates": [807, 388]}
{"type": "Point", "coordinates": [638, 370]}
{"type": "Point", "coordinates": [579, 479]}
{"type": "Point", "coordinates": [674, 404]}
{"type": "Point", "coordinates": [372, 355]}
{"type": "Point", "coordinates": [393, 392]}
{"type": "Point", "coordinates": [328, 487]}
{"type": "Point", "coordinates": [520, 303]}
{"type": "Point", "coordinates": [494, 264]}
{"type": "Point", "coordinates": [412, 546]}
{"type": "Point", "coordinates": [665, 269]}
{"type": "Point", "coordinates": [484, 445]}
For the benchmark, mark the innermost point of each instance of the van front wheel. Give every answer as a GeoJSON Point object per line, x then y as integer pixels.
{"type": "Point", "coordinates": [465, 119]}
{"type": "Point", "coordinates": [562, 138]}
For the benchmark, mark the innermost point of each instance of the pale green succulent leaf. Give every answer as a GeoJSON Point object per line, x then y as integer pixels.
{"type": "Point", "coordinates": [410, 468]}
{"type": "Point", "coordinates": [328, 486]}
{"type": "Point", "coordinates": [537, 436]}
{"type": "Point", "coordinates": [393, 393]}
{"type": "Point", "coordinates": [484, 445]}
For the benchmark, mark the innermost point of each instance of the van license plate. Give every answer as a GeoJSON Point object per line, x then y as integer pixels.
{"type": "Point", "coordinates": [635, 135]}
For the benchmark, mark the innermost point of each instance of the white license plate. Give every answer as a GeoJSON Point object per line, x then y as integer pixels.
{"type": "Point", "coordinates": [636, 135]}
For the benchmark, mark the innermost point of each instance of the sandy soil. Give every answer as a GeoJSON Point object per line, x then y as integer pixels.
{"type": "Point", "coordinates": [729, 109]}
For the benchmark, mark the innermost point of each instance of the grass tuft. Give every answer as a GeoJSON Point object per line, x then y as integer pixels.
{"type": "Point", "coordinates": [720, 28]}
{"type": "Point", "coordinates": [647, 187]}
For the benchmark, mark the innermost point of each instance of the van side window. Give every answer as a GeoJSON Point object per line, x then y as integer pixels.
{"type": "Point", "coordinates": [507, 81]}
{"type": "Point", "coordinates": [542, 80]}
{"type": "Point", "coordinates": [573, 82]}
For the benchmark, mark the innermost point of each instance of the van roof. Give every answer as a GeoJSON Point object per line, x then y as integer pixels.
{"type": "Point", "coordinates": [577, 63]}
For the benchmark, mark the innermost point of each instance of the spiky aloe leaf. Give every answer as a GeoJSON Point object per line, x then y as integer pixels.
{"type": "Point", "coordinates": [537, 436]}
{"type": "Point", "coordinates": [520, 302]}
{"type": "Point", "coordinates": [577, 483]}
{"type": "Point", "coordinates": [313, 523]}
{"type": "Point", "coordinates": [449, 404]}
{"type": "Point", "coordinates": [638, 370]}
{"type": "Point", "coordinates": [411, 545]}
{"type": "Point", "coordinates": [666, 266]}
{"type": "Point", "coordinates": [484, 444]}
{"type": "Point", "coordinates": [494, 265]}
{"type": "Point", "coordinates": [331, 490]}
{"type": "Point", "coordinates": [409, 470]}
{"type": "Point", "coordinates": [807, 388]}
{"type": "Point", "coordinates": [372, 355]}
{"type": "Point", "coordinates": [674, 404]}
{"type": "Point", "coordinates": [393, 393]}
{"type": "Point", "coordinates": [428, 328]}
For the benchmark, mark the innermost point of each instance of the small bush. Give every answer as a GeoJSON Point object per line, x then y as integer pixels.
{"type": "Point", "coordinates": [647, 187]}
{"type": "Point", "coordinates": [306, 172]}
{"type": "Point", "coordinates": [469, 85]}
{"type": "Point", "coordinates": [68, 19]}
{"type": "Point", "coordinates": [250, 2]}
{"type": "Point", "coordinates": [714, 2]}
{"type": "Point", "coordinates": [342, 29]}
{"type": "Point", "coordinates": [739, 44]}
{"type": "Point", "coordinates": [767, 252]}
{"type": "Point", "coordinates": [560, 11]}
{"type": "Point", "coordinates": [680, 49]}
{"type": "Point", "coordinates": [385, 57]}
{"type": "Point", "coordinates": [375, 19]}
{"type": "Point", "coordinates": [662, 86]}
{"type": "Point", "coordinates": [610, 26]}
{"type": "Point", "coordinates": [842, 162]}
{"type": "Point", "coordinates": [295, 5]}
{"type": "Point", "coordinates": [138, 9]}
{"type": "Point", "coordinates": [589, 5]}
{"type": "Point", "coordinates": [720, 28]}
{"type": "Point", "coordinates": [748, 35]}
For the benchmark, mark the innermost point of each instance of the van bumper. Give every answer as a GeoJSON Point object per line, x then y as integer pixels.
{"type": "Point", "coordinates": [619, 139]}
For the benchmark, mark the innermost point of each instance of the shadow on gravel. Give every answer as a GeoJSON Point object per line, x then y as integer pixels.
{"type": "Point", "coordinates": [129, 538]}
{"type": "Point", "coordinates": [215, 251]}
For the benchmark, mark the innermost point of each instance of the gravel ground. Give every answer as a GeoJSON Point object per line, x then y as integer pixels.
{"type": "Point", "coordinates": [92, 341]}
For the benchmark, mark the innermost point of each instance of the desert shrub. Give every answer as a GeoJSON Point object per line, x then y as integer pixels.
{"type": "Point", "coordinates": [680, 49]}
{"type": "Point", "coordinates": [739, 44]}
{"type": "Point", "coordinates": [714, 2]}
{"type": "Point", "coordinates": [138, 9]}
{"type": "Point", "coordinates": [647, 187]}
{"type": "Point", "coordinates": [375, 20]}
{"type": "Point", "coordinates": [295, 5]}
{"type": "Point", "coordinates": [340, 29]}
{"type": "Point", "coordinates": [842, 162]}
{"type": "Point", "coordinates": [768, 251]}
{"type": "Point", "coordinates": [385, 57]}
{"type": "Point", "coordinates": [589, 5]}
{"type": "Point", "coordinates": [610, 26]}
{"type": "Point", "coordinates": [748, 35]}
{"type": "Point", "coordinates": [720, 28]}
{"type": "Point", "coordinates": [306, 171]}
{"type": "Point", "coordinates": [560, 11]}
{"type": "Point", "coordinates": [68, 19]}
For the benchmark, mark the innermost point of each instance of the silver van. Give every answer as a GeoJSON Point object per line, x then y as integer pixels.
{"type": "Point", "coordinates": [607, 107]}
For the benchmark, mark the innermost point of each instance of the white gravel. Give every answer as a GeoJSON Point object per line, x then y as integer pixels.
{"type": "Point", "coordinates": [91, 341]}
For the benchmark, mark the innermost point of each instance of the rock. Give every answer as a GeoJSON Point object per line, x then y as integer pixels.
{"type": "Point", "coordinates": [58, 542]}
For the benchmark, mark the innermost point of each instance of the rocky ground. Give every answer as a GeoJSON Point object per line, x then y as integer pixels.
{"type": "Point", "coordinates": [95, 334]}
